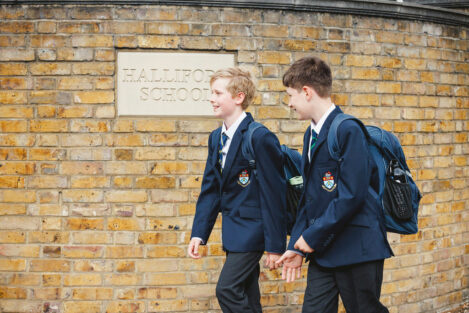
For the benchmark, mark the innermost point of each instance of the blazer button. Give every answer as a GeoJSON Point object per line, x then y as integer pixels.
{"type": "Point", "coordinates": [311, 222]}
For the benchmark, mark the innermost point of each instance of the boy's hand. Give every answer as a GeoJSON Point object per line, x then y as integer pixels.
{"type": "Point", "coordinates": [193, 249]}
{"type": "Point", "coordinates": [301, 245]}
{"type": "Point", "coordinates": [271, 259]}
{"type": "Point", "coordinates": [291, 265]}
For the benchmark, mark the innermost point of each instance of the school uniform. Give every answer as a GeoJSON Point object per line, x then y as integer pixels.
{"type": "Point", "coordinates": [338, 219]}
{"type": "Point", "coordinates": [253, 210]}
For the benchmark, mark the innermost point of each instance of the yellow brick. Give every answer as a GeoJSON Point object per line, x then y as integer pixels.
{"type": "Point", "coordinates": [82, 306]}
{"type": "Point", "coordinates": [270, 85]}
{"type": "Point", "coordinates": [94, 97]}
{"type": "Point", "coordinates": [270, 31]}
{"type": "Point", "coordinates": [404, 127]}
{"type": "Point", "coordinates": [128, 27]}
{"type": "Point", "coordinates": [126, 196]}
{"type": "Point", "coordinates": [272, 57]}
{"type": "Point", "coordinates": [92, 41]}
{"type": "Point", "coordinates": [166, 252]}
{"type": "Point", "coordinates": [17, 168]}
{"type": "Point", "coordinates": [114, 168]}
{"type": "Point", "coordinates": [90, 293]}
{"type": "Point", "coordinates": [12, 97]}
{"type": "Point", "coordinates": [77, 195]}
{"type": "Point", "coordinates": [169, 168]}
{"type": "Point", "coordinates": [165, 279]}
{"type": "Point", "coordinates": [124, 252]}
{"type": "Point", "coordinates": [125, 307]}
{"type": "Point", "coordinates": [157, 293]}
{"type": "Point", "coordinates": [90, 237]}
{"type": "Point", "coordinates": [155, 182]}
{"type": "Point", "coordinates": [12, 237]}
{"type": "Point", "coordinates": [82, 252]}
{"type": "Point", "coordinates": [93, 68]}
{"type": "Point", "coordinates": [12, 293]}
{"type": "Point", "coordinates": [122, 182]}
{"type": "Point", "coordinates": [82, 168]}
{"type": "Point", "coordinates": [164, 42]}
{"type": "Point", "coordinates": [18, 196]}
{"type": "Point", "coordinates": [82, 280]}
{"type": "Point", "coordinates": [48, 293]}
{"type": "Point", "coordinates": [89, 182]}
{"type": "Point", "coordinates": [48, 126]}
{"type": "Point", "coordinates": [49, 266]}
{"type": "Point", "coordinates": [50, 69]}
{"type": "Point", "coordinates": [125, 266]}
{"type": "Point", "coordinates": [385, 87]}
{"type": "Point", "coordinates": [124, 224]}
{"type": "Point", "coordinates": [48, 237]}
{"type": "Point", "coordinates": [157, 238]}
{"type": "Point", "coordinates": [124, 140]}
{"type": "Point", "coordinates": [14, 83]}
{"type": "Point", "coordinates": [13, 69]}
{"type": "Point", "coordinates": [365, 100]}
{"type": "Point", "coordinates": [273, 112]}
{"type": "Point", "coordinates": [168, 305]}
{"type": "Point", "coordinates": [123, 279]}
{"type": "Point", "coordinates": [85, 223]}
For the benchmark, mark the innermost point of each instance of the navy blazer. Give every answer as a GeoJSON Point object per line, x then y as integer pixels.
{"type": "Point", "coordinates": [337, 217]}
{"type": "Point", "coordinates": [254, 214]}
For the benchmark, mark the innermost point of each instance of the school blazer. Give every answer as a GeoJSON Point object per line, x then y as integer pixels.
{"type": "Point", "coordinates": [253, 210]}
{"type": "Point", "coordinates": [337, 217]}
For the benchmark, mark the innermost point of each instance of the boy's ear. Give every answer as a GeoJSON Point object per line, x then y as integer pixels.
{"type": "Point", "coordinates": [309, 92]}
{"type": "Point", "coordinates": [239, 98]}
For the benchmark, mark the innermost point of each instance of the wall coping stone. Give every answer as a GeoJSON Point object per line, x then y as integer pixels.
{"type": "Point", "coordinates": [379, 8]}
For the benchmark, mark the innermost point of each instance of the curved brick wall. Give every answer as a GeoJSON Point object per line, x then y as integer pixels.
{"type": "Point", "coordinates": [96, 209]}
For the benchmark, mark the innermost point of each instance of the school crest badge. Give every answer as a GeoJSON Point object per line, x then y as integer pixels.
{"type": "Point", "coordinates": [243, 179]}
{"type": "Point", "coordinates": [328, 182]}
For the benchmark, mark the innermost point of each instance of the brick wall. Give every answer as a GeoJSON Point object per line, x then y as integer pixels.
{"type": "Point", "coordinates": [96, 209]}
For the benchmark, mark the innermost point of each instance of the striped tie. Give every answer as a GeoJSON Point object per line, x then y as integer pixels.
{"type": "Point", "coordinates": [223, 140]}
{"type": "Point", "coordinates": [314, 138]}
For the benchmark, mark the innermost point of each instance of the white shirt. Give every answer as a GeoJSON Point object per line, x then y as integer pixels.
{"type": "Point", "coordinates": [230, 133]}
{"type": "Point", "coordinates": [317, 127]}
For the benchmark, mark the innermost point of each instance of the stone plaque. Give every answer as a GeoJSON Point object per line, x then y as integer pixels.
{"type": "Point", "coordinates": [166, 83]}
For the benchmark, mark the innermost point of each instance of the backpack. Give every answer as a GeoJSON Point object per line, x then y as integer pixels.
{"type": "Point", "coordinates": [398, 195]}
{"type": "Point", "coordinates": [291, 168]}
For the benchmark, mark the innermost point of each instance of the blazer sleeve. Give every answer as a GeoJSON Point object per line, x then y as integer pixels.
{"type": "Point", "coordinates": [207, 207]}
{"type": "Point", "coordinates": [352, 187]}
{"type": "Point", "coordinates": [301, 222]}
{"type": "Point", "coordinates": [272, 189]}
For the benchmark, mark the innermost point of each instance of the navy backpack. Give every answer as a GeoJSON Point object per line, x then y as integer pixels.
{"type": "Point", "coordinates": [291, 168]}
{"type": "Point", "coordinates": [398, 195]}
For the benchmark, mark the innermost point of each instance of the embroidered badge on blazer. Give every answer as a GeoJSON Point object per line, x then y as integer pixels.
{"type": "Point", "coordinates": [244, 178]}
{"type": "Point", "coordinates": [328, 182]}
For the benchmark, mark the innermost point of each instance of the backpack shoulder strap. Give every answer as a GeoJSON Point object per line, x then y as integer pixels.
{"type": "Point", "coordinates": [246, 145]}
{"type": "Point", "coordinates": [333, 142]}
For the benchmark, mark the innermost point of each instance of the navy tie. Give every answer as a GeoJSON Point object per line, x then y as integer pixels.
{"type": "Point", "coordinates": [223, 140]}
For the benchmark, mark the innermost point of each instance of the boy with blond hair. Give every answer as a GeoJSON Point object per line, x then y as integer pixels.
{"type": "Point", "coordinates": [252, 206]}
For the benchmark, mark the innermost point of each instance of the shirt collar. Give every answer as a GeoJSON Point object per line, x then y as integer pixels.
{"type": "Point", "coordinates": [317, 127]}
{"type": "Point", "coordinates": [232, 130]}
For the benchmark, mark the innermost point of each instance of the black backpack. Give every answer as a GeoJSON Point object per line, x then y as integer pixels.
{"type": "Point", "coordinates": [291, 167]}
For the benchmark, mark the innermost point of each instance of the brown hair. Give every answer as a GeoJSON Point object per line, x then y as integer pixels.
{"type": "Point", "coordinates": [312, 72]}
{"type": "Point", "coordinates": [240, 81]}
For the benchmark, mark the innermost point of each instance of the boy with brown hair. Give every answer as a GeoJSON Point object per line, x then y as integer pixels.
{"type": "Point", "coordinates": [253, 206]}
{"type": "Point", "coordinates": [338, 224]}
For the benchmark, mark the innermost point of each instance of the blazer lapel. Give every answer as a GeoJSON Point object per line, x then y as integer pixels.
{"type": "Point", "coordinates": [304, 158]}
{"type": "Point", "coordinates": [325, 131]}
{"type": "Point", "coordinates": [214, 164]}
{"type": "Point", "coordinates": [234, 146]}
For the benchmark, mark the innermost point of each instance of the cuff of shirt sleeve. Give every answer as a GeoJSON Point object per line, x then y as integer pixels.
{"type": "Point", "coordinates": [201, 241]}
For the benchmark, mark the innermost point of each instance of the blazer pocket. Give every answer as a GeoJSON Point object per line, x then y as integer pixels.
{"type": "Point", "coordinates": [360, 220]}
{"type": "Point", "coordinates": [250, 212]}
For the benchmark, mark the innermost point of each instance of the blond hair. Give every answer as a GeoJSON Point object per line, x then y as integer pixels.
{"type": "Point", "coordinates": [240, 81]}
